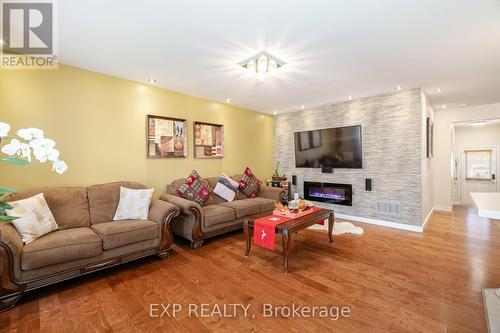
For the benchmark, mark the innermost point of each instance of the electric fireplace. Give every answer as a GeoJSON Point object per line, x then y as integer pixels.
{"type": "Point", "coordinates": [339, 194]}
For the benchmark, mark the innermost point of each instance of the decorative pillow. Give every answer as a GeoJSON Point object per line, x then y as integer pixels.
{"type": "Point", "coordinates": [35, 218]}
{"type": "Point", "coordinates": [249, 184]}
{"type": "Point", "coordinates": [195, 189]}
{"type": "Point", "coordinates": [226, 187]}
{"type": "Point", "coordinates": [134, 204]}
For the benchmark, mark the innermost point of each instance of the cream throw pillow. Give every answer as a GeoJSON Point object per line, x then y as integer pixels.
{"type": "Point", "coordinates": [35, 218]}
{"type": "Point", "coordinates": [134, 204]}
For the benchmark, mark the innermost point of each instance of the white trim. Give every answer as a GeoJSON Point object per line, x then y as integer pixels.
{"type": "Point", "coordinates": [428, 218]}
{"type": "Point", "coordinates": [395, 225]}
{"type": "Point", "coordinates": [443, 208]}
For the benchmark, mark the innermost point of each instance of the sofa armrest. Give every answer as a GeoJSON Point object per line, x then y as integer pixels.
{"type": "Point", "coordinates": [188, 207]}
{"type": "Point", "coordinates": [11, 246]}
{"type": "Point", "coordinates": [185, 205]}
{"type": "Point", "coordinates": [270, 192]}
{"type": "Point", "coordinates": [163, 212]}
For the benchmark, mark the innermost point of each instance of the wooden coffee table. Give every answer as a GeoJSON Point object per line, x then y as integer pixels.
{"type": "Point", "coordinates": [288, 228]}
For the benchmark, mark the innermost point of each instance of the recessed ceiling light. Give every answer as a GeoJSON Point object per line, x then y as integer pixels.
{"type": "Point", "coordinates": [261, 64]}
{"type": "Point", "coordinates": [228, 100]}
{"type": "Point", "coordinates": [302, 107]}
{"type": "Point", "coordinates": [438, 90]}
{"type": "Point", "coordinates": [463, 105]}
{"type": "Point", "coordinates": [398, 87]}
{"type": "Point", "coordinates": [152, 81]}
{"type": "Point", "coordinates": [443, 106]}
{"type": "Point", "coordinates": [275, 112]}
{"type": "Point", "coordinates": [349, 98]}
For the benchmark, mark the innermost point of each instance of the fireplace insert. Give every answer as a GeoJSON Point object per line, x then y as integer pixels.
{"type": "Point", "coordinates": [339, 194]}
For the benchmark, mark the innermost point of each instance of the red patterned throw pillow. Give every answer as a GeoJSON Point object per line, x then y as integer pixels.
{"type": "Point", "coordinates": [249, 184]}
{"type": "Point", "coordinates": [195, 189]}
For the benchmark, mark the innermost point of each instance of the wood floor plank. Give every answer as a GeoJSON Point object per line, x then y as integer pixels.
{"type": "Point", "coordinates": [392, 280]}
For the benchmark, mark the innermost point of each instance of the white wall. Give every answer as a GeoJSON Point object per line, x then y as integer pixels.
{"type": "Point", "coordinates": [442, 161]}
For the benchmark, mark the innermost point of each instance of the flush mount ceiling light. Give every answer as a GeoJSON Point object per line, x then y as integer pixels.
{"type": "Point", "coordinates": [261, 64]}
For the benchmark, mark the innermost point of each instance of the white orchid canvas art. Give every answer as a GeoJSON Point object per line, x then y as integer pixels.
{"type": "Point", "coordinates": [20, 150]}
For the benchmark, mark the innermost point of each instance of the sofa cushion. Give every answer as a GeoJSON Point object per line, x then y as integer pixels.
{"type": "Point", "coordinates": [133, 204]}
{"type": "Point", "coordinates": [264, 203]}
{"type": "Point", "coordinates": [243, 207]}
{"type": "Point", "coordinates": [226, 188]}
{"type": "Point", "coordinates": [120, 233]}
{"type": "Point", "coordinates": [214, 198]}
{"type": "Point", "coordinates": [61, 246]}
{"type": "Point", "coordinates": [34, 217]}
{"type": "Point", "coordinates": [249, 184]}
{"type": "Point", "coordinates": [195, 189]}
{"type": "Point", "coordinates": [104, 198]}
{"type": "Point", "coordinates": [217, 214]}
{"type": "Point", "coordinates": [69, 205]}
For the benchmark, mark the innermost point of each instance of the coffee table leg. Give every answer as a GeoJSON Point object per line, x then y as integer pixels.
{"type": "Point", "coordinates": [286, 239]}
{"type": "Point", "coordinates": [248, 237]}
{"type": "Point", "coordinates": [331, 221]}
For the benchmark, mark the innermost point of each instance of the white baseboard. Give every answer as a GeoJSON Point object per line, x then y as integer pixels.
{"type": "Point", "coordinates": [443, 208]}
{"type": "Point", "coordinates": [395, 225]}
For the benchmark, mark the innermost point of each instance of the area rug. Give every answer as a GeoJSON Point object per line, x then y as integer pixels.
{"type": "Point", "coordinates": [491, 299]}
{"type": "Point", "coordinates": [340, 228]}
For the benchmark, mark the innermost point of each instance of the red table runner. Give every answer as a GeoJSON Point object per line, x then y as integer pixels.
{"type": "Point", "coordinates": [264, 228]}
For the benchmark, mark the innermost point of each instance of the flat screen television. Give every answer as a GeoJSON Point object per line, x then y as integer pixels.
{"type": "Point", "coordinates": [329, 148]}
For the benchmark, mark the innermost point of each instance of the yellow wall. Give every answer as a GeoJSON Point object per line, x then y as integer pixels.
{"type": "Point", "coordinates": [99, 124]}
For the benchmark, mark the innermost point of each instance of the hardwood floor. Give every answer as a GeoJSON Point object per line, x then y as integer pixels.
{"type": "Point", "coordinates": [392, 280]}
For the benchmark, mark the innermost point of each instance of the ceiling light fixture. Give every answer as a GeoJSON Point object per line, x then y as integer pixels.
{"type": "Point", "coordinates": [463, 105]}
{"type": "Point", "coordinates": [152, 81]}
{"type": "Point", "coordinates": [349, 98]}
{"type": "Point", "coordinates": [443, 106]}
{"type": "Point", "coordinates": [398, 87]}
{"type": "Point", "coordinates": [261, 64]}
{"type": "Point", "coordinates": [438, 90]}
{"type": "Point", "coordinates": [302, 107]}
{"type": "Point", "coordinates": [275, 112]}
{"type": "Point", "coordinates": [228, 100]}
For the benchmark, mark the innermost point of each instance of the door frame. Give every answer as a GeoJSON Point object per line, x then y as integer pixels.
{"type": "Point", "coordinates": [461, 167]}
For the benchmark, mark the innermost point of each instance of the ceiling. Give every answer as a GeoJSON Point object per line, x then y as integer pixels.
{"type": "Point", "coordinates": [478, 124]}
{"type": "Point", "coordinates": [333, 49]}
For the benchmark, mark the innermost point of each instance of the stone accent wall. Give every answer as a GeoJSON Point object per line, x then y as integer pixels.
{"type": "Point", "coordinates": [392, 150]}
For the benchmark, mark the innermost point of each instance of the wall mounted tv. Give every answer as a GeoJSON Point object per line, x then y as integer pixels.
{"type": "Point", "coordinates": [329, 148]}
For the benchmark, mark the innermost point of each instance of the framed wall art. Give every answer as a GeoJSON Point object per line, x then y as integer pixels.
{"type": "Point", "coordinates": [430, 137]}
{"type": "Point", "coordinates": [167, 137]}
{"type": "Point", "coordinates": [208, 140]}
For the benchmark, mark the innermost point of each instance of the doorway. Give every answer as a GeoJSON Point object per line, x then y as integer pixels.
{"type": "Point", "coordinates": [476, 161]}
{"type": "Point", "coordinates": [478, 172]}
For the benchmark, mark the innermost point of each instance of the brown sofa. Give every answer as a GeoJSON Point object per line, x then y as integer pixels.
{"type": "Point", "coordinates": [197, 223]}
{"type": "Point", "coordinates": [87, 239]}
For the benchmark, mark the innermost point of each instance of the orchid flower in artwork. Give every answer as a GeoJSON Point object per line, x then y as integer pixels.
{"type": "Point", "coordinates": [30, 142]}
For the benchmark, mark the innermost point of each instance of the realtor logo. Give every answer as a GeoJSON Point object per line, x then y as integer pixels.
{"type": "Point", "coordinates": [28, 34]}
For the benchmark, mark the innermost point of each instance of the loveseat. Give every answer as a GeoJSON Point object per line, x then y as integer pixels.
{"type": "Point", "coordinates": [217, 216]}
{"type": "Point", "coordinates": [87, 239]}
